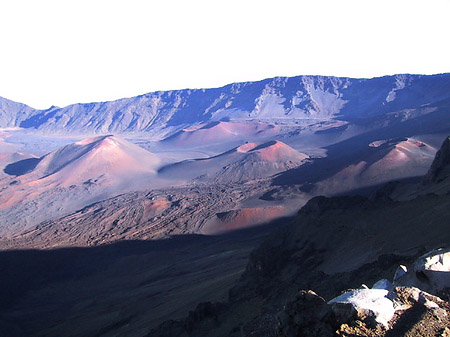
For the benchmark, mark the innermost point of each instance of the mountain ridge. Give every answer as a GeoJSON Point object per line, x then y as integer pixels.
{"type": "Point", "coordinates": [283, 98]}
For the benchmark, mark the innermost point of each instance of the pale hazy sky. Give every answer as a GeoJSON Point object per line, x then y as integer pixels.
{"type": "Point", "coordinates": [62, 51]}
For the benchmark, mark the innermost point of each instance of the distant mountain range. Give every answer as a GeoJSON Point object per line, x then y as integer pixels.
{"type": "Point", "coordinates": [280, 98]}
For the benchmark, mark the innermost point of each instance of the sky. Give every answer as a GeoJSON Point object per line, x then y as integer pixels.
{"type": "Point", "coordinates": [59, 52]}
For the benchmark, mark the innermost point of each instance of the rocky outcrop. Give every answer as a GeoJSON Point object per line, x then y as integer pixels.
{"type": "Point", "coordinates": [433, 269]}
{"type": "Point", "coordinates": [307, 315]}
{"type": "Point", "coordinates": [411, 312]}
{"type": "Point", "coordinates": [430, 272]}
{"type": "Point", "coordinates": [13, 114]}
{"type": "Point", "coordinates": [388, 308]}
{"type": "Point", "coordinates": [372, 303]}
{"type": "Point", "coordinates": [440, 168]}
{"type": "Point", "coordinates": [417, 314]}
{"type": "Point", "coordinates": [203, 318]}
{"type": "Point", "coordinates": [334, 236]}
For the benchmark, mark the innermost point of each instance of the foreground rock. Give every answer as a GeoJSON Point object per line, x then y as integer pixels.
{"type": "Point", "coordinates": [307, 315]}
{"type": "Point", "coordinates": [433, 269]}
{"type": "Point", "coordinates": [416, 314]}
{"type": "Point", "coordinates": [440, 169]}
{"type": "Point", "coordinates": [364, 303]}
{"type": "Point", "coordinates": [389, 310]}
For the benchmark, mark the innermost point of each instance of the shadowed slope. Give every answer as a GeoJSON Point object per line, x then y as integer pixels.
{"type": "Point", "coordinates": [124, 288]}
{"type": "Point", "coordinates": [383, 161]}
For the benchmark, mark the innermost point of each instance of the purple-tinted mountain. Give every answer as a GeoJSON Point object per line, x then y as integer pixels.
{"type": "Point", "coordinates": [280, 98]}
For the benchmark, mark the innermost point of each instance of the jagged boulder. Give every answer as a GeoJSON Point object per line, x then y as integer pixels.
{"type": "Point", "coordinates": [400, 272]}
{"type": "Point", "coordinates": [406, 297]}
{"type": "Point", "coordinates": [418, 313]}
{"type": "Point", "coordinates": [430, 272]}
{"type": "Point", "coordinates": [412, 312]}
{"type": "Point", "coordinates": [266, 324]}
{"type": "Point", "coordinates": [307, 315]}
{"type": "Point", "coordinates": [367, 304]}
{"type": "Point", "coordinates": [204, 318]}
{"type": "Point", "coordinates": [440, 168]}
{"type": "Point", "coordinates": [433, 269]}
{"type": "Point", "coordinates": [399, 308]}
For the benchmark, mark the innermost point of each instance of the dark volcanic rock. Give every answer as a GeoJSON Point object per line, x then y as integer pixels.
{"type": "Point", "coordinates": [440, 169]}
{"type": "Point", "coordinates": [266, 324]}
{"type": "Point", "coordinates": [307, 315]}
{"type": "Point", "coordinates": [417, 314]}
{"type": "Point", "coordinates": [204, 318]}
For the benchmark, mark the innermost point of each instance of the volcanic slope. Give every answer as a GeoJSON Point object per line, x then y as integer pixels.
{"type": "Point", "coordinates": [333, 244]}
{"type": "Point", "coordinates": [436, 181]}
{"type": "Point", "coordinates": [381, 162]}
{"type": "Point", "coordinates": [220, 133]}
{"type": "Point", "coordinates": [246, 162]}
{"type": "Point", "coordinates": [73, 177]}
{"type": "Point", "coordinates": [137, 216]}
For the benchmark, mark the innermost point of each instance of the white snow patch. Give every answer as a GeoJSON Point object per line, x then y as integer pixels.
{"type": "Point", "coordinates": [438, 260]}
{"type": "Point", "coordinates": [400, 83]}
{"type": "Point", "coordinates": [370, 301]}
{"type": "Point", "coordinates": [436, 267]}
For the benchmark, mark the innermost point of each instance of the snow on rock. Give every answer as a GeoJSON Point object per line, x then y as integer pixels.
{"type": "Point", "coordinates": [372, 302]}
{"type": "Point", "coordinates": [431, 271]}
{"type": "Point", "coordinates": [433, 268]}
{"type": "Point", "coordinates": [400, 83]}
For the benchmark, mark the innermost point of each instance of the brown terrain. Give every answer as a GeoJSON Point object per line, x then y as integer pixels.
{"type": "Point", "coordinates": [141, 215]}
